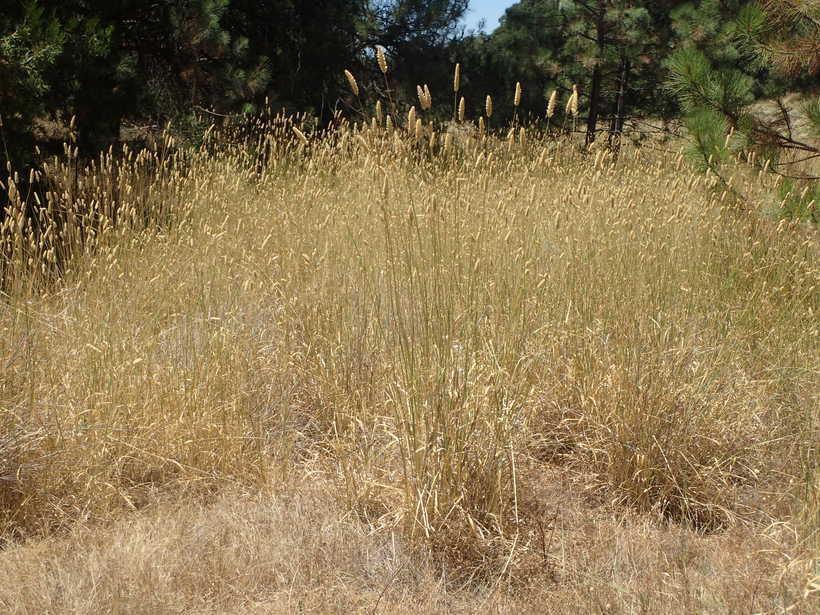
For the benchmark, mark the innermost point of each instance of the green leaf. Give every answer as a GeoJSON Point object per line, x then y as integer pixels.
{"type": "Point", "coordinates": [690, 75]}
{"type": "Point", "coordinates": [812, 111]}
{"type": "Point", "coordinates": [708, 129]}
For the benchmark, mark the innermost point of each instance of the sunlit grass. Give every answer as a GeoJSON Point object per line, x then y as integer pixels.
{"type": "Point", "coordinates": [433, 332]}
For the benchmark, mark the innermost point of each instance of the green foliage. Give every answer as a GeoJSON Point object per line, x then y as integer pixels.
{"type": "Point", "coordinates": [168, 60]}
{"type": "Point", "coordinates": [698, 83]}
{"type": "Point", "coordinates": [812, 111]}
{"type": "Point", "coordinates": [306, 46]}
{"type": "Point", "coordinates": [30, 43]}
{"type": "Point", "coordinates": [749, 26]}
{"type": "Point", "coordinates": [799, 200]}
{"type": "Point", "coordinates": [187, 56]}
{"type": "Point", "coordinates": [547, 44]}
{"type": "Point", "coordinates": [726, 60]}
{"type": "Point", "coordinates": [418, 36]}
{"type": "Point", "coordinates": [189, 63]}
{"type": "Point", "coordinates": [29, 49]}
{"type": "Point", "coordinates": [525, 48]}
{"type": "Point", "coordinates": [708, 129]}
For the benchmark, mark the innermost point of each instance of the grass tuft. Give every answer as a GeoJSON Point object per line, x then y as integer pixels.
{"type": "Point", "coordinates": [514, 358]}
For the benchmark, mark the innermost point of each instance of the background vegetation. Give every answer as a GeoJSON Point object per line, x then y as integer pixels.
{"type": "Point", "coordinates": [125, 63]}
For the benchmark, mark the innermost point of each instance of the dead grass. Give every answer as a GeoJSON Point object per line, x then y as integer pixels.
{"type": "Point", "coordinates": [298, 550]}
{"type": "Point", "coordinates": [356, 371]}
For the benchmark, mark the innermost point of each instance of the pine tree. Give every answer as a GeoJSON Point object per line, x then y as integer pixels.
{"type": "Point", "coordinates": [527, 48]}
{"type": "Point", "coordinates": [30, 43]}
{"type": "Point", "coordinates": [619, 42]}
{"type": "Point", "coordinates": [46, 51]}
{"type": "Point", "coordinates": [179, 55]}
{"type": "Point", "coordinates": [712, 77]}
{"type": "Point", "coordinates": [418, 35]}
{"type": "Point", "coordinates": [786, 33]}
{"type": "Point", "coordinates": [610, 48]}
{"type": "Point", "coordinates": [733, 54]}
{"type": "Point", "coordinates": [306, 44]}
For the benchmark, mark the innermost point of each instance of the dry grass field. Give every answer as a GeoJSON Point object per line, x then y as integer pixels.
{"type": "Point", "coordinates": [379, 372]}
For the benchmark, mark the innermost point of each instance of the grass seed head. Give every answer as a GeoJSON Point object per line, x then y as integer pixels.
{"type": "Point", "coordinates": [572, 103]}
{"type": "Point", "coordinates": [301, 136]}
{"type": "Point", "coordinates": [488, 106]}
{"type": "Point", "coordinates": [461, 108]}
{"type": "Point", "coordinates": [351, 80]}
{"type": "Point", "coordinates": [382, 60]}
{"type": "Point", "coordinates": [457, 78]}
{"type": "Point", "coordinates": [553, 101]}
{"type": "Point", "coordinates": [517, 100]}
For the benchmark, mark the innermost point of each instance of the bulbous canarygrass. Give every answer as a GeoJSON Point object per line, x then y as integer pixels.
{"type": "Point", "coordinates": [300, 135]}
{"type": "Point", "coordinates": [553, 101]}
{"type": "Point", "coordinates": [382, 60]}
{"type": "Point", "coordinates": [351, 80]}
{"type": "Point", "coordinates": [572, 103]}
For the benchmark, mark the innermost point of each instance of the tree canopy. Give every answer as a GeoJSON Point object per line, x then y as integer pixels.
{"type": "Point", "coordinates": [106, 62]}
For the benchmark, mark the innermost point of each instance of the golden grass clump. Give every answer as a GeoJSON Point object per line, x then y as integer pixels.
{"type": "Point", "coordinates": [461, 371]}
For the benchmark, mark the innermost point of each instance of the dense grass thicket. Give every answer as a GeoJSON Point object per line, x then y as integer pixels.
{"type": "Point", "coordinates": [398, 370]}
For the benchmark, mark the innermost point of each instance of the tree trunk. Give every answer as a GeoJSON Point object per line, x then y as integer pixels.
{"type": "Point", "coordinates": [620, 108]}
{"type": "Point", "coordinates": [594, 95]}
{"type": "Point", "coordinates": [595, 88]}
